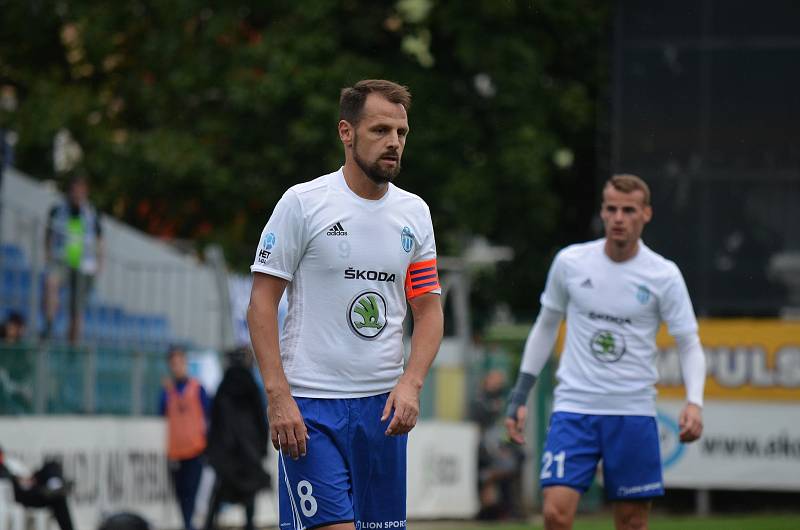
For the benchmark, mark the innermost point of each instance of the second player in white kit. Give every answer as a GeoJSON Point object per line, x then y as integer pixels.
{"type": "Point", "coordinates": [614, 294]}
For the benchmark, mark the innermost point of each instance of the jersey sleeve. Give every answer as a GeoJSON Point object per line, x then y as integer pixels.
{"type": "Point", "coordinates": [422, 275]}
{"type": "Point", "coordinates": [676, 306]}
{"type": "Point", "coordinates": [283, 239]}
{"type": "Point", "coordinates": [555, 295]}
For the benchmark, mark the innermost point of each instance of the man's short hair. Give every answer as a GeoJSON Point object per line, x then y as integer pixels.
{"type": "Point", "coordinates": [75, 177]}
{"type": "Point", "coordinates": [15, 317]}
{"type": "Point", "coordinates": [352, 99]}
{"type": "Point", "coordinates": [239, 356]}
{"type": "Point", "coordinates": [175, 349]}
{"type": "Point", "coordinates": [628, 184]}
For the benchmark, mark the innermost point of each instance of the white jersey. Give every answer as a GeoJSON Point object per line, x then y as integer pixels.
{"type": "Point", "coordinates": [351, 264]}
{"type": "Point", "coordinates": [613, 313]}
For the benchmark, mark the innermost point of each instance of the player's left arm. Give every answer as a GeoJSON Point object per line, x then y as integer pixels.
{"type": "Point", "coordinates": [426, 310]}
{"type": "Point", "coordinates": [693, 368]}
{"type": "Point", "coordinates": [676, 310]}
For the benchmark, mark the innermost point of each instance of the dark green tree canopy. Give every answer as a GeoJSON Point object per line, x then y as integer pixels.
{"type": "Point", "coordinates": [195, 117]}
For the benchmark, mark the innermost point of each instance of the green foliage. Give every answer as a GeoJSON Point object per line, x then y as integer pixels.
{"type": "Point", "coordinates": [194, 118]}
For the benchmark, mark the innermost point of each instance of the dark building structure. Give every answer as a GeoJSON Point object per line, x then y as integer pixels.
{"type": "Point", "coordinates": [705, 106]}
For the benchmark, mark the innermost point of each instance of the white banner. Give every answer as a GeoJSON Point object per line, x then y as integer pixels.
{"type": "Point", "coordinates": [119, 464]}
{"type": "Point", "coordinates": [443, 470]}
{"type": "Point", "coordinates": [745, 445]}
{"type": "Point", "coordinates": [116, 464]}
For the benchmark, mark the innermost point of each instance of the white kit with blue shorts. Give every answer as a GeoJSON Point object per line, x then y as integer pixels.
{"type": "Point", "coordinates": [605, 398]}
{"type": "Point", "coordinates": [352, 264]}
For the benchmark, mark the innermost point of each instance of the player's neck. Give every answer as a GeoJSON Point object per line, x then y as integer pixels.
{"type": "Point", "coordinates": [360, 184]}
{"type": "Point", "coordinates": [619, 252]}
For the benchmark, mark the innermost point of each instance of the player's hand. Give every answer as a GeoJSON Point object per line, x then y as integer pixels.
{"type": "Point", "coordinates": [516, 428]}
{"type": "Point", "coordinates": [286, 426]}
{"type": "Point", "coordinates": [404, 399]}
{"type": "Point", "coordinates": [691, 423]}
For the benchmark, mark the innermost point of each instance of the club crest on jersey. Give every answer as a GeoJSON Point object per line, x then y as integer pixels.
{"type": "Point", "coordinates": [268, 241]}
{"type": "Point", "coordinates": [642, 294]}
{"type": "Point", "coordinates": [607, 346]}
{"type": "Point", "coordinates": [366, 315]}
{"type": "Point", "coordinates": [407, 239]}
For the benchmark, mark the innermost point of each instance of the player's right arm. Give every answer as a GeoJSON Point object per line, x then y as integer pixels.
{"type": "Point", "coordinates": [538, 347]}
{"type": "Point", "coordinates": [277, 256]}
{"type": "Point", "coordinates": [287, 429]}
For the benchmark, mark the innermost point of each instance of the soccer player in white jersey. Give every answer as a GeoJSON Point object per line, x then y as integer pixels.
{"type": "Point", "coordinates": [614, 294]}
{"type": "Point", "coordinates": [351, 249]}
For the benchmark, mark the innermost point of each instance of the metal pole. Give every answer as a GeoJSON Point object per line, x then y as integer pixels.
{"type": "Point", "coordinates": [702, 501]}
{"type": "Point", "coordinates": [36, 268]}
{"type": "Point", "coordinates": [216, 258]}
{"type": "Point", "coordinates": [137, 379]}
{"type": "Point", "coordinates": [41, 390]}
{"type": "Point", "coordinates": [89, 379]}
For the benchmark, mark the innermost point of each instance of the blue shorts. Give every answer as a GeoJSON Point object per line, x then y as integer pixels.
{"type": "Point", "coordinates": [627, 445]}
{"type": "Point", "coordinates": [352, 471]}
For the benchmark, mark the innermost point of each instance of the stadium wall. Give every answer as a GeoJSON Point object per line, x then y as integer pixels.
{"type": "Point", "coordinates": [119, 464]}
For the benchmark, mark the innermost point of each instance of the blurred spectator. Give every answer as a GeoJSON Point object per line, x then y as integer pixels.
{"type": "Point", "coordinates": [74, 254]}
{"type": "Point", "coordinates": [499, 460]}
{"type": "Point", "coordinates": [16, 367]}
{"type": "Point", "coordinates": [46, 488]}
{"type": "Point", "coordinates": [237, 439]}
{"type": "Point", "coordinates": [185, 405]}
{"type": "Point", "coordinates": [13, 329]}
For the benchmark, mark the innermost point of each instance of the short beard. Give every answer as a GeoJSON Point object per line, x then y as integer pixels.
{"type": "Point", "coordinates": [375, 172]}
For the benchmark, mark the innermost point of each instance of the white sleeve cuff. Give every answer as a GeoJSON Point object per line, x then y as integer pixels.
{"type": "Point", "coordinates": [272, 272]}
{"type": "Point", "coordinates": [541, 340]}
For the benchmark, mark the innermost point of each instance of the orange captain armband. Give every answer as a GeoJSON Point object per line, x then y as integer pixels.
{"type": "Point", "coordinates": [421, 277]}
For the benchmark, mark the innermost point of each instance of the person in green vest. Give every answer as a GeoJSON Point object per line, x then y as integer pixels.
{"type": "Point", "coordinates": [74, 253]}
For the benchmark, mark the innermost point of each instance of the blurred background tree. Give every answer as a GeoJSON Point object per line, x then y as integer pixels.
{"type": "Point", "coordinates": [194, 117]}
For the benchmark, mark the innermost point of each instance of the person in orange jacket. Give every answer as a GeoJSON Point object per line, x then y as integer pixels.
{"type": "Point", "coordinates": [185, 405]}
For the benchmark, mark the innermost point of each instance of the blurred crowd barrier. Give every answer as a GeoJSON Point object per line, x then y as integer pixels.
{"type": "Point", "coordinates": [61, 379]}
{"type": "Point", "coordinates": [146, 294]}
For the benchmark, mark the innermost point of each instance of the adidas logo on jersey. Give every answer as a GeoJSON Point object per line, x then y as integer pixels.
{"type": "Point", "coordinates": [337, 230]}
{"type": "Point", "coordinates": [587, 283]}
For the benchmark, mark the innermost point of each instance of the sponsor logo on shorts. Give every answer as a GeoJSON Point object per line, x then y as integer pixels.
{"type": "Point", "coordinates": [369, 525]}
{"type": "Point", "coordinates": [641, 489]}
{"type": "Point", "coordinates": [366, 315]}
{"type": "Point", "coordinates": [607, 346]}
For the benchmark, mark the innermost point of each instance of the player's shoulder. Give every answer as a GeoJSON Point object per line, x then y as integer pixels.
{"type": "Point", "coordinates": [406, 199]}
{"type": "Point", "coordinates": [310, 194]}
{"type": "Point", "coordinates": [580, 252]}
{"type": "Point", "coordinates": [400, 194]}
{"type": "Point", "coordinates": [311, 187]}
{"type": "Point", "coordinates": [656, 264]}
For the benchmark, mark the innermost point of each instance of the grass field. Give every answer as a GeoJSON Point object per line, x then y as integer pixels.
{"type": "Point", "coordinates": [766, 522]}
